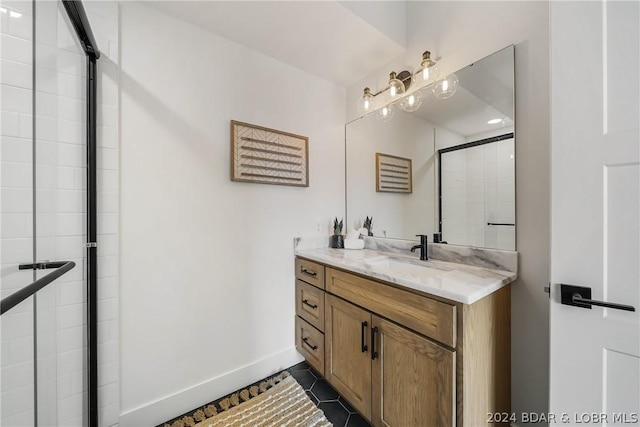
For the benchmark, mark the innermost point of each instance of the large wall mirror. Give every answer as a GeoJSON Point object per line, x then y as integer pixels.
{"type": "Point", "coordinates": [459, 155]}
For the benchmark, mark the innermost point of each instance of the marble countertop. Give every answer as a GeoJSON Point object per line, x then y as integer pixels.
{"type": "Point", "coordinates": [458, 282]}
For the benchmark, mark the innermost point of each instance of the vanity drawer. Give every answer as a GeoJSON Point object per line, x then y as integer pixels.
{"type": "Point", "coordinates": [310, 342]}
{"type": "Point", "coordinates": [310, 272]}
{"type": "Point", "coordinates": [310, 304]}
{"type": "Point", "coordinates": [424, 315]}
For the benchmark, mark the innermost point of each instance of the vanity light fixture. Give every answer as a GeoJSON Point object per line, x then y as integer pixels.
{"type": "Point", "coordinates": [399, 84]}
{"type": "Point", "coordinates": [411, 102]}
{"type": "Point", "coordinates": [385, 113]}
{"type": "Point", "coordinates": [429, 71]}
{"type": "Point", "coordinates": [445, 88]}
{"type": "Point", "coordinates": [396, 87]}
{"type": "Point", "coordinates": [365, 104]}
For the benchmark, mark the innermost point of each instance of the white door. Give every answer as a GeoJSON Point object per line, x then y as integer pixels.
{"type": "Point", "coordinates": [595, 233]}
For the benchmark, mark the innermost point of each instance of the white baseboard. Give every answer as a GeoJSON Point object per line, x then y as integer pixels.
{"type": "Point", "coordinates": [190, 398]}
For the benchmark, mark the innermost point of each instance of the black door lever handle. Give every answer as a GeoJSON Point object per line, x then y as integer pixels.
{"type": "Point", "coordinates": [580, 296]}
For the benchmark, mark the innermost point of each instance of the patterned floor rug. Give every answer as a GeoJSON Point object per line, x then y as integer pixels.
{"type": "Point", "coordinates": [279, 401]}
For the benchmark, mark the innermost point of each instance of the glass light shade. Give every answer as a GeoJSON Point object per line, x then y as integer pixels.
{"type": "Point", "coordinates": [445, 88]}
{"type": "Point", "coordinates": [426, 75]}
{"type": "Point", "coordinates": [396, 87]}
{"type": "Point", "coordinates": [365, 103]}
{"type": "Point", "coordinates": [385, 113]}
{"type": "Point", "coordinates": [411, 102]}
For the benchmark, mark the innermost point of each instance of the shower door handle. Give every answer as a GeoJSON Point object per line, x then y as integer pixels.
{"type": "Point", "coordinates": [61, 267]}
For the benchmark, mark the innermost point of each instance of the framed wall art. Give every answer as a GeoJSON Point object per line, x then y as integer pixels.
{"type": "Point", "coordinates": [268, 156]}
{"type": "Point", "coordinates": [393, 174]}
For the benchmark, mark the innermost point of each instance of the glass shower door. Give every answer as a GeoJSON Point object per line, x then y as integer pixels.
{"type": "Point", "coordinates": [17, 327]}
{"type": "Point", "coordinates": [60, 212]}
{"type": "Point", "coordinates": [44, 349]}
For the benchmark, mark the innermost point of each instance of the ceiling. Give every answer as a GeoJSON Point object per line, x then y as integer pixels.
{"type": "Point", "coordinates": [325, 38]}
{"type": "Point", "coordinates": [343, 42]}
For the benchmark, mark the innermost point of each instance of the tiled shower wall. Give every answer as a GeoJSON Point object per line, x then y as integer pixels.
{"type": "Point", "coordinates": [16, 235]}
{"type": "Point", "coordinates": [60, 224]}
{"type": "Point", "coordinates": [479, 187]}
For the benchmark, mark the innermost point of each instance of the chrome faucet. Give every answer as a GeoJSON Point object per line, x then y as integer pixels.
{"type": "Point", "coordinates": [422, 246]}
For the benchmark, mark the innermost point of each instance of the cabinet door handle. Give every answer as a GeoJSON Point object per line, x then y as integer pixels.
{"type": "Point", "coordinates": [308, 272]}
{"type": "Point", "coordinates": [374, 353]}
{"type": "Point", "coordinates": [314, 306]}
{"type": "Point", "coordinates": [362, 343]}
{"type": "Point", "coordinates": [306, 341]}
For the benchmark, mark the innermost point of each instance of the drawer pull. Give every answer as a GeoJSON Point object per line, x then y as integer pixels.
{"type": "Point", "coordinates": [362, 332]}
{"type": "Point", "coordinates": [306, 341]}
{"type": "Point", "coordinates": [308, 272]}
{"type": "Point", "coordinates": [374, 353]}
{"type": "Point", "coordinates": [306, 302]}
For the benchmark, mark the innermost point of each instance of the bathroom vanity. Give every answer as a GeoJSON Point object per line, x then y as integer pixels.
{"type": "Point", "coordinates": [406, 342]}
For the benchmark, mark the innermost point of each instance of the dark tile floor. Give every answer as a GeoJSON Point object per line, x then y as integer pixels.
{"type": "Point", "coordinates": [336, 409]}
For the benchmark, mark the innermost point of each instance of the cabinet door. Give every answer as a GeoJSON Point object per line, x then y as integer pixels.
{"type": "Point", "coordinates": [413, 379]}
{"type": "Point", "coordinates": [347, 358]}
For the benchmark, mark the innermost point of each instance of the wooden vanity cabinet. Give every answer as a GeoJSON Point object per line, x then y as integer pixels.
{"type": "Point", "coordinates": [413, 379]}
{"type": "Point", "coordinates": [347, 352]}
{"type": "Point", "coordinates": [406, 358]}
{"type": "Point", "coordinates": [310, 272]}
{"type": "Point", "coordinates": [393, 376]}
{"type": "Point", "coordinates": [309, 321]}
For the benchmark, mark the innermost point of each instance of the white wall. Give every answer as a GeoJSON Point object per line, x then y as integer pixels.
{"type": "Point", "coordinates": [458, 33]}
{"type": "Point", "coordinates": [207, 284]}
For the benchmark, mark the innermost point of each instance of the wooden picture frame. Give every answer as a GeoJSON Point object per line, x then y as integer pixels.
{"type": "Point", "coordinates": [393, 174]}
{"type": "Point", "coordinates": [267, 156]}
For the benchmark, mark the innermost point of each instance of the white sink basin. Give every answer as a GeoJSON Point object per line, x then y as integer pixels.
{"type": "Point", "coordinates": [402, 267]}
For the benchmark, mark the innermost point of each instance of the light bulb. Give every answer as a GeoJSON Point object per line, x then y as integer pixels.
{"type": "Point", "coordinates": [365, 104]}
{"type": "Point", "coordinates": [429, 71]}
{"type": "Point", "coordinates": [445, 88]}
{"type": "Point", "coordinates": [385, 113]}
{"type": "Point", "coordinates": [396, 87]}
{"type": "Point", "coordinates": [411, 102]}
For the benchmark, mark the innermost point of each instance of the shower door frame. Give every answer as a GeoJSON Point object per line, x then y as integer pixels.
{"type": "Point", "coordinates": [78, 17]}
